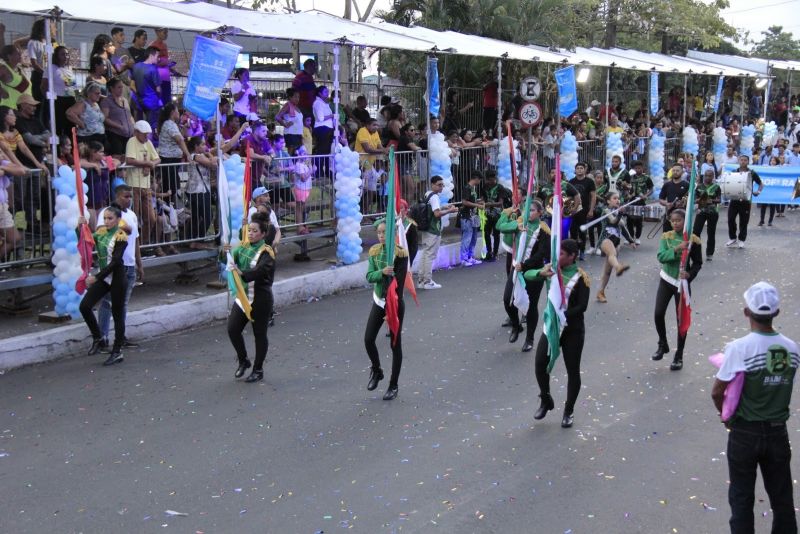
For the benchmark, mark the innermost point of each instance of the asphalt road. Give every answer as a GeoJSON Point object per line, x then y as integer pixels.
{"type": "Point", "coordinates": [90, 449]}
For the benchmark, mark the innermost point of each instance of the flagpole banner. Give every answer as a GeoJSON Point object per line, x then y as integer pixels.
{"type": "Point", "coordinates": [685, 302]}
{"type": "Point", "coordinates": [554, 319]}
{"type": "Point", "coordinates": [779, 183]}
{"type": "Point", "coordinates": [653, 93]}
{"type": "Point", "coordinates": [567, 92]}
{"type": "Point", "coordinates": [433, 87]}
{"type": "Point", "coordinates": [212, 64]}
{"type": "Point", "coordinates": [720, 83]}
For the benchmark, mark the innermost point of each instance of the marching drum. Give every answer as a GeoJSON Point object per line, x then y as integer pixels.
{"type": "Point", "coordinates": [736, 186]}
{"type": "Point", "coordinates": [653, 212]}
{"type": "Point", "coordinates": [636, 211]}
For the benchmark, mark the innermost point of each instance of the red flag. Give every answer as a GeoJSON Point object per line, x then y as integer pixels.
{"type": "Point", "coordinates": [85, 238]}
{"type": "Point", "coordinates": [393, 303]}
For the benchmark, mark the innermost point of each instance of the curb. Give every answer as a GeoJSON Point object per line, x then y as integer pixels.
{"type": "Point", "coordinates": [72, 340]}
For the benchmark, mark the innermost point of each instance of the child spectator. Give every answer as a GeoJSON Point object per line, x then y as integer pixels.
{"type": "Point", "coordinates": [303, 172]}
{"type": "Point", "coordinates": [308, 137]}
{"type": "Point", "coordinates": [198, 190]}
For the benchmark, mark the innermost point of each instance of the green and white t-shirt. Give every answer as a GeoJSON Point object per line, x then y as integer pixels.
{"type": "Point", "coordinates": [770, 362]}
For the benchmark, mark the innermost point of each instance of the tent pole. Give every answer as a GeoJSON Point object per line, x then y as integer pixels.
{"type": "Point", "coordinates": [717, 102]}
{"type": "Point", "coordinates": [789, 96]}
{"type": "Point", "coordinates": [51, 96]}
{"type": "Point", "coordinates": [685, 101]}
{"type": "Point", "coordinates": [380, 90]}
{"type": "Point", "coordinates": [499, 99]}
{"type": "Point", "coordinates": [428, 99]}
{"type": "Point", "coordinates": [608, 89]}
{"type": "Point", "coordinates": [767, 91]}
{"type": "Point", "coordinates": [649, 96]}
{"type": "Point", "coordinates": [335, 144]}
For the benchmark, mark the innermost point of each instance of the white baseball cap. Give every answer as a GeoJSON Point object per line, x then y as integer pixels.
{"type": "Point", "coordinates": [762, 299]}
{"type": "Point", "coordinates": [143, 127]}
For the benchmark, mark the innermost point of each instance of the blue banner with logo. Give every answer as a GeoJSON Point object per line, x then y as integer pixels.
{"type": "Point", "coordinates": [653, 93]}
{"type": "Point", "coordinates": [212, 63]}
{"type": "Point", "coordinates": [720, 83]}
{"type": "Point", "coordinates": [567, 93]}
{"type": "Point", "coordinates": [779, 183]}
{"type": "Point", "coordinates": [433, 87]}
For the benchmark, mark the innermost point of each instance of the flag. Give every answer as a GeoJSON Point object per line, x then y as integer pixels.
{"type": "Point", "coordinates": [685, 302]}
{"type": "Point", "coordinates": [392, 304]}
{"type": "Point", "coordinates": [85, 238]}
{"type": "Point", "coordinates": [653, 93]}
{"type": "Point", "coordinates": [567, 92]}
{"type": "Point", "coordinates": [554, 318]}
{"type": "Point", "coordinates": [236, 288]}
{"type": "Point", "coordinates": [246, 191]}
{"type": "Point", "coordinates": [512, 155]}
{"type": "Point", "coordinates": [519, 297]}
{"type": "Point", "coordinates": [433, 87]}
{"type": "Point", "coordinates": [223, 193]}
{"type": "Point", "coordinates": [718, 97]}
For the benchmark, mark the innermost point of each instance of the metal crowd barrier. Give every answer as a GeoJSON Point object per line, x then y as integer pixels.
{"type": "Point", "coordinates": [30, 204]}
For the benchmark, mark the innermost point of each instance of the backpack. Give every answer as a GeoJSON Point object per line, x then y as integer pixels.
{"type": "Point", "coordinates": [421, 213]}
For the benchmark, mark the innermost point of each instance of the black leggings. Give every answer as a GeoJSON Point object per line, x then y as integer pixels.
{"type": "Point", "coordinates": [95, 294]}
{"type": "Point", "coordinates": [571, 350]}
{"type": "Point", "coordinates": [491, 237]}
{"type": "Point", "coordinates": [665, 293]}
{"type": "Point", "coordinates": [764, 212]}
{"type": "Point", "coordinates": [374, 322]}
{"type": "Point", "coordinates": [740, 209]}
{"type": "Point", "coordinates": [237, 321]}
{"type": "Point", "coordinates": [534, 289]}
{"type": "Point", "coordinates": [701, 219]}
{"type": "Point", "coordinates": [634, 224]}
{"type": "Point", "coordinates": [575, 231]}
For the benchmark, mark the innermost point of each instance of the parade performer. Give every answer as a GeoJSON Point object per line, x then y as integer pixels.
{"type": "Point", "coordinates": [529, 238]}
{"type": "Point", "coordinates": [615, 175]}
{"type": "Point", "coordinates": [111, 242]}
{"type": "Point", "coordinates": [741, 208]}
{"type": "Point", "coordinates": [410, 227]}
{"type": "Point", "coordinates": [709, 196]}
{"type": "Point", "coordinates": [254, 262]}
{"type": "Point", "coordinates": [496, 198]}
{"type": "Point", "coordinates": [670, 251]}
{"type": "Point", "coordinates": [610, 236]}
{"type": "Point", "coordinates": [576, 296]}
{"type": "Point", "coordinates": [637, 185]}
{"type": "Point", "coordinates": [380, 273]}
{"type": "Point", "coordinates": [673, 194]}
{"type": "Point", "coordinates": [601, 189]}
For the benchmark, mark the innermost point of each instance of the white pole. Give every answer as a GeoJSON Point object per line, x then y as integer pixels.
{"type": "Point", "coordinates": [767, 91]}
{"type": "Point", "coordinates": [335, 99]}
{"type": "Point", "coordinates": [428, 99]}
{"type": "Point", "coordinates": [685, 101]}
{"type": "Point", "coordinates": [51, 97]}
{"type": "Point", "coordinates": [608, 89]}
{"type": "Point", "coordinates": [499, 99]}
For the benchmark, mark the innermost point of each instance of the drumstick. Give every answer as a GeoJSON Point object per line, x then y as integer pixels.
{"type": "Point", "coordinates": [586, 226]}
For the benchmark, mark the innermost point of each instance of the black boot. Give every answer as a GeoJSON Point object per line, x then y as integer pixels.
{"type": "Point", "coordinates": [546, 405]}
{"type": "Point", "coordinates": [528, 346]}
{"type": "Point", "coordinates": [115, 356]}
{"type": "Point", "coordinates": [255, 376]}
{"type": "Point", "coordinates": [660, 352]}
{"type": "Point", "coordinates": [506, 323]}
{"type": "Point", "coordinates": [677, 361]}
{"type": "Point", "coordinates": [98, 344]}
{"type": "Point", "coordinates": [375, 376]}
{"type": "Point", "coordinates": [391, 393]}
{"type": "Point", "coordinates": [243, 366]}
{"type": "Point", "coordinates": [515, 332]}
{"type": "Point", "coordinates": [566, 421]}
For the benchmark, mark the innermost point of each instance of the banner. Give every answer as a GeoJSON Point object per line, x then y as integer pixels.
{"type": "Point", "coordinates": [720, 83]}
{"type": "Point", "coordinates": [212, 64]}
{"type": "Point", "coordinates": [567, 93]}
{"type": "Point", "coordinates": [433, 87]}
{"type": "Point", "coordinates": [778, 181]}
{"type": "Point", "coordinates": [653, 93]}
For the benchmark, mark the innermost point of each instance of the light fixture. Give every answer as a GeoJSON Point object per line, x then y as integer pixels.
{"type": "Point", "coordinates": [761, 83]}
{"type": "Point", "coordinates": [583, 75]}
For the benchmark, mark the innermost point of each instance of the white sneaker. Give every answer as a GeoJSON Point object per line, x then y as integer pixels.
{"type": "Point", "coordinates": [598, 252]}
{"type": "Point", "coordinates": [741, 244]}
{"type": "Point", "coordinates": [638, 242]}
{"type": "Point", "coordinates": [731, 243]}
{"type": "Point", "coordinates": [590, 251]}
{"type": "Point", "coordinates": [475, 261]}
{"type": "Point", "coordinates": [431, 285]}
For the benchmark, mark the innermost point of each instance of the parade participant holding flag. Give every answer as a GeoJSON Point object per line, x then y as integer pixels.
{"type": "Point", "coordinates": [252, 261]}
{"type": "Point", "coordinates": [681, 260]}
{"type": "Point", "coordinates": [609, 241]}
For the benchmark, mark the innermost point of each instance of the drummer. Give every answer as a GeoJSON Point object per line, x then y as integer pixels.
{"type": "Point", "coordinates": [740, 208]}
{"type": "Point", "coordinates": [637, 185]}
{"type": "Point", "coordinates": [615, 174]}
{"type": "Point", "coordinates": [673, 193]}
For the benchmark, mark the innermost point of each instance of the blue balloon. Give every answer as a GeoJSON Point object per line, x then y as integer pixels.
{"type": "Point", "coordinates": [72, 248]}
{"type": "Point", "coordinates": [71, 236]}
{"type": "Point", "coordinates": [59, 242]}
{"type": "Point", "coordinates": [61, 310]}
{"type": "Point", "coordinates": [60, 228]}
{"type": "Point", "coordinates": [61, 300]}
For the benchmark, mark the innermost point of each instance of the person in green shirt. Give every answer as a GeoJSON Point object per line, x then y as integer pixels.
{"type": "Point", "coordinates": [670, 250]}
{"type": "Point", "coordinates": [495, 196]}
{"type": "Point", "coordinates": [709, 196]}
{"type": "Point", "coordinates": [110, 244]}
{"type": "Point", "coordinates": [380, 275]}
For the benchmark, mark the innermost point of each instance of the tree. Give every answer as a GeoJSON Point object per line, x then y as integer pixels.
{"type": "Point", "coordinates": [777, 44]}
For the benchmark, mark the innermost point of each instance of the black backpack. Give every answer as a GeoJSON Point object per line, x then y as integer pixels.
{"type": "Point", "coordinates": [421, 213]}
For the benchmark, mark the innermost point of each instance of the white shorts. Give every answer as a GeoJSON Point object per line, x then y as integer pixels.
{"type": "Point", "coordinates": [6, 219]}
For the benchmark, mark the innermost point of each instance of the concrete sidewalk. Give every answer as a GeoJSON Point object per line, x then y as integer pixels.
{"type": "Point", "coordinates": [160, 306]}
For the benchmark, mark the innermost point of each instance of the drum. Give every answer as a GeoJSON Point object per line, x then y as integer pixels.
{"type": "Point", "coordinates": [736, 186]}
{"type": "Point", "coordinates": [653, 212]}
{"type": "Point", "coordinates": [636, 211]}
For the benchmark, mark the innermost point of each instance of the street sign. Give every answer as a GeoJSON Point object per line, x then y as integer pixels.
{"type": "Point", "coordinates": [530, 114]}
{"type": "Point", "coordinates": [530, 88]}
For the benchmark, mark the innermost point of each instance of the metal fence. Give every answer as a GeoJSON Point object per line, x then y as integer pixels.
{"type": "Point", "coordinates": [30, 204]}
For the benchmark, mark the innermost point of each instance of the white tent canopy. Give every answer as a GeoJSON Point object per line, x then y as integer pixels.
{"type": "Point", "coordinates": [311, 26]}
{"type": "Point", "coordinates": [116, 12]}
{"type": "Point", "coordinates": [682, 65]}
{"type": "Point", "coordinates": [597, 57]}
{"type": "Point", "coordinates": [755, 65]}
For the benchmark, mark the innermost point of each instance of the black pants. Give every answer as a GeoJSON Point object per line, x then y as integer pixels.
{"type": "Point", "coordinates": [740, 209]}
{"type": "Point", "coordinates": [491, 237]}
{"type": "Point", "coordinates": [634, 224]}
{"type": "Point", "coordinates": [571, 350]}
{"type": "Point", "coordinates": [764, 212]}
{"type": "Point", "coordinates": [575, 229]}
{"type": "Point", "coordinates": [752, 445]}
{"type": "Point", "coordinates": [374, 322]}
{"type": "Point", "coordinates": [323, 139]}
{"type": "Point", "coordinates": [200, 206]}
{"type": "Point", "coordinates": [665, 293]}
{"type": "Point", "coordinates": [509, 260]}
{"type": "Point", "coordinates": [237, 321]}
{"type": "Point", "coordinates": [534, 289]}
{"type": "Point", "coordinates": [170, 180]}
{"type": "Point", "coordinates": [700, 220]}
{"type": "Point", "coordinates": [95, 294]}
{"type": "Point", "coordinates": [489, 119]}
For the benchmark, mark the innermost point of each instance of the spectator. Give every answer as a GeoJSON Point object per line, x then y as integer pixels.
{"type": "Point", "coordinates": [223, 110]}
{"type": "Point", "coordinates": [304, 84]}
{"type": "Point", "coordinates": [397, 118]}
{"type": "Point", "coordinates": [245, 100]}
{"type": "Point", "coordinates": [171, 149]}
{"type": "Point", "coordinates": [9, 235]}
{"type": "Point", "coordinates": [452, 113]}
{"type": "Point", "coordinates": [88, 117]}
{"type": "Point", "coordinates": [431, 238]}
{"type": "Point", "coordinates": [261, 153]}
{"type": "Point", "coordinates": [261, 204]}
{"type": "Point", "coordinates": [120, 59]}
{"type": "Point", "coordinates": [233, 142]}
{"type": "Point", "coordinates": [190, 125]}
{"type": "Point", "coordinates": [360, 112]}
{"type": "Point", "coordinates": [280, 169]}
{"type": "Point", "coordinates": [37, 54]}
{"type": "Point", "coordinates": [165, 66]}
{"type": "Point", "coordinates": [302, 185]}
{"type": "Point", "coordinates": [34, 132]}
{"type": "Point", "coordinates": [489, 96]}
{"type": "Point", "coordinates": [408, 145]}
{"type": "Point", "coordinates": [14, 142]}
{"type": "Point", "coordinates": [383, 113]}
{"type": "Point", "coordinates": [118, 118]}
{"type": "Point", "coordinates": [469, 219]}
{"type": "Point", "coordinates": [98, 177]}
{"type": "Point", "coordinates": [291, 118]}
{"type": "Point", "coordinates": [104, 49]}
{"type": "Point", "coordinates": [142, 156]}
{"type": "Point", "coordinates": [308, 137]}
{"type": "Point", "coordinates": [323, 126]}
{"type": "Point", "coordinates": [368, 144]}
{"type": "Point", "coordinates": [13, 81]}
{"type": "Point", "coordinates": [64, 86]}
{"type": "Point", "coordinates": [96, 74]}
{"type": "Point", "coordinates": [138, 50]}
{"type": "Point", "coordinates": [147, 83]}
{"type": "Point", "coordinates": [198, 190]}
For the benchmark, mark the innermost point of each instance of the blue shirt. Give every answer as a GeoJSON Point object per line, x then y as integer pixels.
{"type": "Point", "coordinates": [792, 159]}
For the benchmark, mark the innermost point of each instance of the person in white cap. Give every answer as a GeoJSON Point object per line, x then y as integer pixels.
{"type": "Point", "coordinates": [758, 435]}
{"type": "Point", "coordinates": [143, 157]}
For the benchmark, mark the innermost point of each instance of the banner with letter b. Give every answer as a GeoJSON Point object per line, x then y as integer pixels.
{"type": "Point", "coordinates": [212, 64]}
{"type": "Point", "coordinates": [567, 93]}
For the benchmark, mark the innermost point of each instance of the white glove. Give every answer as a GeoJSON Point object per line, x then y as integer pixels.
{"type": "Point", "coordinates": [631, 172]}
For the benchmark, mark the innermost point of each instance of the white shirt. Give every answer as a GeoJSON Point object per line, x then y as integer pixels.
{"type": "Point", "coordinates": [130, 218]}
{"type": "Point", "coordinates": [435, 203]}
{"type": "Point", "coordinates": [273, 219]}
{"type": "Point", "coordinates": [242, 106]}
{"type": "Point", "coordinates": [321, 110]}
{"type": "Point", "coordinates": [747, 353]}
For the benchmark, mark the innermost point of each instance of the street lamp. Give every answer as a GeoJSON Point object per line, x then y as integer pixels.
{"type": "Point", "coordinates": [761, 83]}
{"type": "Point", "coordinates": [583, 75]}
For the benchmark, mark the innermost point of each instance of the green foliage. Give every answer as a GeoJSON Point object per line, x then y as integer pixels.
{"type": "Point", "coordinates": [777, 44]}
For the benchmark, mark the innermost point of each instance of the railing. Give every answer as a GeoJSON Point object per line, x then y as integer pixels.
{"type": "Point", "coordinates": [30, 204]}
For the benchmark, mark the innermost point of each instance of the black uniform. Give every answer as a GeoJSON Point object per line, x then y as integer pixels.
{"type": "Point", "coordinates": [585, 187]}
{"type": "Point", "coordinates": [671, 192]}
